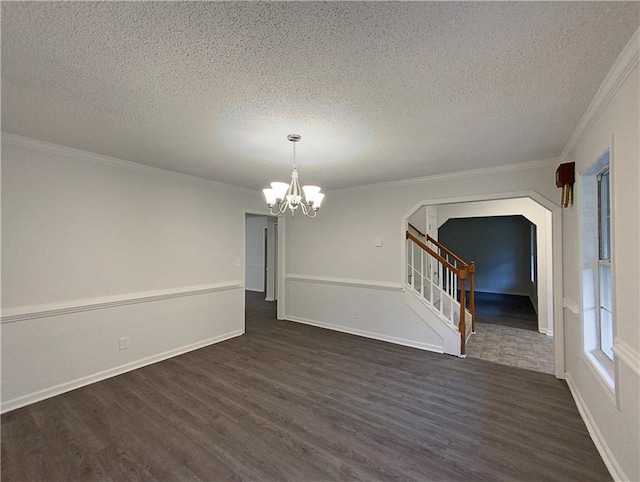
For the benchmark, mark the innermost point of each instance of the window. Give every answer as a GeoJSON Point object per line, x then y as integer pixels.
{"type": "Point", "coordinates": [598, 310]}
{"type": "Point", "coordinates": [533, 249]}
{"type": "Point", "coordinates": [605, 305]}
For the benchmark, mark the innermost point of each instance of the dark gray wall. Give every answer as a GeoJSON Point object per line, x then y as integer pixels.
{"type": "Point", "coordinates": [499, 245]}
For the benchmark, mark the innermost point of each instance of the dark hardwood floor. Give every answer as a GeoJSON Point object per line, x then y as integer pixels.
{"type": "Point", "coordinates": [293, 402]}
{"type": "Point", "coordinates": [506, 310]}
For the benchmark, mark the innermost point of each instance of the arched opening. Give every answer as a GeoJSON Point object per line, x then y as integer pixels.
{"type": "Point", "coordinates": [539, 212]}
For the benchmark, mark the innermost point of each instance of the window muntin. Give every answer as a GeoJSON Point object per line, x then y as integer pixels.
{"type": "Point", "coordinates": [605, 295]}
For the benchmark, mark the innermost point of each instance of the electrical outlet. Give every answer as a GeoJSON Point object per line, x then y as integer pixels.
{"type": "Point", "coordinates": [356, 314]}
{"type": "Point", "coordinates": [124, 343]}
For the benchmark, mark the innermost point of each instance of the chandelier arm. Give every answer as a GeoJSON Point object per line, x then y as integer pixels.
{"type": "Point", "coordinates": [272, 213]}
{"type": "Point", "coordinates": [312, 213]}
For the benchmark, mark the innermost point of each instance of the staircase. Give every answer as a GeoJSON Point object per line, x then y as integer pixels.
{"type": "Point", "coordinates": [440, 289]}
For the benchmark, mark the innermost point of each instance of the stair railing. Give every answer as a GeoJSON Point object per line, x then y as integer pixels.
{"type": "Point", "coordinates": [440, 277]}
{"type": "Point", "coordinates": [457, 262]}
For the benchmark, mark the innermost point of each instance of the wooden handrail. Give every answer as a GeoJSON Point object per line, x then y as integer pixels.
{"type": "Point", "coordinates": [447, 250]}
{"type": "Point", "coordinates": [426, 248]}
{"type": "Point", "coordinates": [417, 230]}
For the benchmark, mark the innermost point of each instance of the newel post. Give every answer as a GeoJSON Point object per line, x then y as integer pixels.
{"type": "Point", "coordinates": [472, 297]}
{"type": "Point", "coordinates": [462, 327]}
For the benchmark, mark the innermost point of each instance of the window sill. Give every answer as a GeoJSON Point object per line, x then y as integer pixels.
{"type": "Point", "coordinates": [604, 369]}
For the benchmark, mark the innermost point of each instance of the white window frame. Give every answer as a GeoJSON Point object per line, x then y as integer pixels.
{"type": "Point", "coordinates": [591, 264]}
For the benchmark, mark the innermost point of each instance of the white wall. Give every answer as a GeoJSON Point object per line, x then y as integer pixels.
{"type": "Point", "coordinates": [611, 122]}
{"type": "Point", "coordinates": [95, 249]}
{"type": "Point", "coordinates": [338, 247]}
{"type": "Point", "coordinates": [500, 247]}
{"type": "Point", "coordinates": [419, 220]}
{"type": "Point", "coordinates": [255, 262]}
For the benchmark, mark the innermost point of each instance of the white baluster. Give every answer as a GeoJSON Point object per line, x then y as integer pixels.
{"type": "Point", "coordinates": [455, 286]}
{"type": "Point", "coordinates": [451, 298]}
{"type": "Point", "coordinates": [440, 273]}
{"type": "Point", "coordinates": [413, 273]}
{"type": "Point", "coordinates": [431, 288]}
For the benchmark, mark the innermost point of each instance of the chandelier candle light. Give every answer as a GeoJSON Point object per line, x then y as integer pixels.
{"type": "Point", "coordinates": [282, 195]}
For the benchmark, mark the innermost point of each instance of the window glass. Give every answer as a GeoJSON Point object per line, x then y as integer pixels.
{"type": "Point", "coordinates": [606, 310]}
{"type": "Point", "coordinates": [605, 315]}
{"type": "Point", "coordinates": [604, 216]}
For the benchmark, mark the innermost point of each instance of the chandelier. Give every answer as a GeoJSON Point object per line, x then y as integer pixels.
{"type": "Point", "coordinates": [282, 195]}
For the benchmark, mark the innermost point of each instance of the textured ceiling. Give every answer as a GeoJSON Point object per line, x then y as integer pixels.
{"type": "Point", "coordinates": [378, 90]}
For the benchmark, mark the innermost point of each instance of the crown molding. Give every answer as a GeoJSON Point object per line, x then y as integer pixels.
{"type": "Point", "coordinates": [623, 66]}
{"type": "Point", "coordinates": [484, 171]}
{"type": "Point", "coordinates": [79, 154]}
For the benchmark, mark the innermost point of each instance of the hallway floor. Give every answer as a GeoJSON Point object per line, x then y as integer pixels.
{"type": "Point", "coordinates": [512, 346]}
{"type": "Point", "coordinates": [506, 333]}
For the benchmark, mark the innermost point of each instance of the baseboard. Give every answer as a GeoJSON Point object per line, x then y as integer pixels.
{"type": "Point", "coordinates": [546, 332]}
{"type": "Point", "coordinates": [81, 382]}
{"type": "Point", "coordinates": [534, 303]}
{"type": "Point", "coordinates": [601, 445]}
{"type": "Point", "coordinates": [367, 334]}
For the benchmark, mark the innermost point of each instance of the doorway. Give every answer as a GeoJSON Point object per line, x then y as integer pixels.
{"type": "Point", "coordinates": [506, 303]}
{"type": "Point", "coordinates": [504, 251]}
{"type": "Point", "coordinates": [261, 261]}
{"type": "Point", "coordinates": [546, 271]}
{"type": "Point", "coordinates": [261, 255]}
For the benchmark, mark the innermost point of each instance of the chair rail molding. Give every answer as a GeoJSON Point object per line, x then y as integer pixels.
{"type": "Point", "coordinates": [627, 354]}
{"type": "Point", "coordinates": [571, 305]}
{"type": "Point", "coordinates": [355, 283]}
{"type": "Point", "coordinates": [12, 315]}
